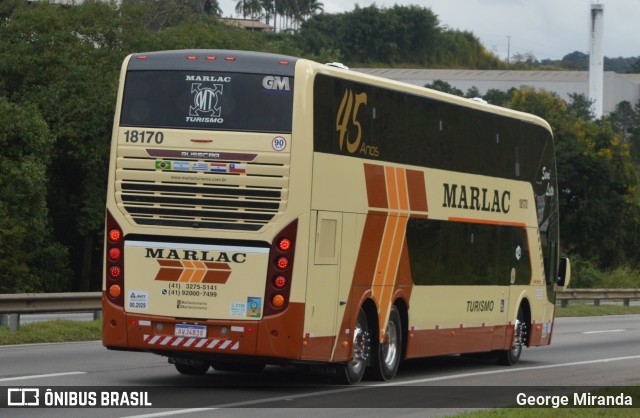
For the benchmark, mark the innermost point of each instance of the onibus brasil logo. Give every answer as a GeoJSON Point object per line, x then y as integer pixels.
{"type": "Point", "coordinates": [206, 107]}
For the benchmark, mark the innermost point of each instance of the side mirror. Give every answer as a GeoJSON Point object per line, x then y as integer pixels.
{"type": "Point", "coordinates": [564, 275]}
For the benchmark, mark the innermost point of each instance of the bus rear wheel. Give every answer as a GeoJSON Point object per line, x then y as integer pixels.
{"type": "Point", "coordinates": [520, 334]}
{"type": "Point", "coordinates": [191, 367]}
{"type": "Point", "coordinates": [239, 367]}
{"type": "Point", "coordinates": [353, 370]}
{"type": "Point", "coordinates": [388, 355]}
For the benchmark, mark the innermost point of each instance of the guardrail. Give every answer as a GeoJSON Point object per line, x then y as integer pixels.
{"type": "Point", "coordinates": [597, 295]}
{"type": "Point", "coordinates": [11, 306]}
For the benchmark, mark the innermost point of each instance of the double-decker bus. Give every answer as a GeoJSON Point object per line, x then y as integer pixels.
{"type": "Point", "coordinates": [264, 209]}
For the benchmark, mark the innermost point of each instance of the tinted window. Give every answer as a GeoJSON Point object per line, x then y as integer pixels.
{"type": "Point", "coordinates": [459, 253]}
{"type": "Point", "coordinates": [208, 100]}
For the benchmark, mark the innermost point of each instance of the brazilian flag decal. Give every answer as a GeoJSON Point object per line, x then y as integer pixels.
{"type": "Point", "coordinates": [163, 165]}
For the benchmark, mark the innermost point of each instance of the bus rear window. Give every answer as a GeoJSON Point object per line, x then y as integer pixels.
{"type": "Point", "coordinates": [208, 100]}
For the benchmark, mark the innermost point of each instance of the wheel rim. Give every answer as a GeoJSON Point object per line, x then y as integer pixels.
{"type": "Point", "coordinates": [361, 346]}
{"type": "Point", "coordinates": [518, 338]}
{"type": "Point", "coordinates": [389, 347]}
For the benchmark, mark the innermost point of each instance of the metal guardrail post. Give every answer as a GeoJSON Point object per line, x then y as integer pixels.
{"type": "Point", "coordinates": [4, 319]}
{"type": "Point", "coordinates": [14, 322]}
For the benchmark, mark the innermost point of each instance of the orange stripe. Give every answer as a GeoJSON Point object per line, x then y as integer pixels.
{"type": "Point", "coordinates": [385, 250]}
{"type": "Point", "coordinates": [393, 242]}
{"type": "Point", "coordinates": [187, 273]}
{"type": "Point", "coordinates": [199, 273]}
{"type": "Point", "coordinates": [392, 270]}
{"type": "Point", "coordinates": [392, 188]}
{"type": "Point", "coordinates": [396, 250]}
{"type": "Point", "coordinates": [401, 176]}
{"type": "Point", "coordinates": [486, 221]}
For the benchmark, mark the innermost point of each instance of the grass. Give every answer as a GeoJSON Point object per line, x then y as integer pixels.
{"type": "Point", "coordinates": [52, 332]}
{"type": "Point", "coordinates": [575, 309]}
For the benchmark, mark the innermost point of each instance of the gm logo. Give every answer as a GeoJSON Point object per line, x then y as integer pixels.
{"type": "Point", "coordinates": [23, 397]}
{"type": "Point", "coordinates": [274, 82]}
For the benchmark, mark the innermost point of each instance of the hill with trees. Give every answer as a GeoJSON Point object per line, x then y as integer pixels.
{"type": "Point", "coordinates": [59, 69]}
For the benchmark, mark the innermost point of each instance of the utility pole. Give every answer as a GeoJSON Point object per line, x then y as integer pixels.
{"type": "Point", "coordinates": [508, 49]}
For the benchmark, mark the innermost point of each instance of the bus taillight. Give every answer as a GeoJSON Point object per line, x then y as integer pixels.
{"type": "Point", "coordinates": [282, 263]}
{"type": "Point", "coordinates": [280, 271]}
{"type": "Point", "coordinates": [280, 282]}
{"type": "Point", "coordinates": [284, 244]}
{"type": "Point", "coordinates": [114, 253]}
{"type": "Point", "coordinates": [114, 261]}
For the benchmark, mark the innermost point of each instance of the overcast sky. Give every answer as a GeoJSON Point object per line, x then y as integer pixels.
{"type": "Point", "coordinates": [546, 28]}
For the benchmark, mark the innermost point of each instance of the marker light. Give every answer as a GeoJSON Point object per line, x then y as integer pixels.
{"type": "Point", "coordinates": [282, 263]}
{"type": "Point", "coordinates": [115, 235]}
{"type": "Point", "coordinates": [277, 301]}
{"type": "Point", "coordinates": [114, 272]}
{"type": "Point", "coordinates": [280, 282]}
{"type": "Point", "coordinates": [114, 253]}
{"type": "Point", "coordinates": [142, 57]}
{"type": "Point", "coordinates": [211, 58]}
{"type": "Point", "coordinates": [115, 291]}
{"type": "Point", "coordinates": [284, 244]}
{"type": "Point", "coordinates": [192, 57]}
{"type": "Point", "coordinates": [230, 59]}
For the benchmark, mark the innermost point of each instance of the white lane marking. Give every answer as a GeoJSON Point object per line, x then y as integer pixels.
{"type": "Point", "coordinates": [600, 332]}
{"type": "Point", "coordinates": [39, 376]}
{"type": "Point", "coordinates": [363, 387]}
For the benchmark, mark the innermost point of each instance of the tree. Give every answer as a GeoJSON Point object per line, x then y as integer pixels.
{"type": "Point", "coordinates": [445, 87]}
{"type": "Point", "coordinates": [30, 259]}
{"type": "Point", "coordinates": [599, 203]}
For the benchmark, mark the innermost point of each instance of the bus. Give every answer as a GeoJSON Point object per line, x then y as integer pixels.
{"type": "Point", "coordinates": [269, 210]}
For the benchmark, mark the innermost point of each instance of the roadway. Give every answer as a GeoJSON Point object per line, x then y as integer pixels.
{"type": "Point", "coordinates": [585, 353]}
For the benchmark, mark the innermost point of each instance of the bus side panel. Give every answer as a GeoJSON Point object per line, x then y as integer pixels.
{"type": "Point", "coordinates": [436, 342]}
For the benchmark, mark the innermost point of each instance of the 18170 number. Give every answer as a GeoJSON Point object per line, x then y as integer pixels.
{"type": "Point", "coordinates": [143, 137]}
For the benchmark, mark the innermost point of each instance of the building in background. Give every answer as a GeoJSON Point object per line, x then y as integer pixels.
{"type": "Point", "coordinates": [616, 87]}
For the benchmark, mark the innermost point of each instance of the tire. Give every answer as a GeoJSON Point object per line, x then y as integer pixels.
{"type": "Point", "coordinates": [388, 354]}
{"type": "Point", "coordinates": [239, 367]}
{"type": "Point", "coordinates": [352, 371]}
{"type": "Point", "coordinates": [511, 357]}
{"type": "Point", "coordinates": [194, 367]}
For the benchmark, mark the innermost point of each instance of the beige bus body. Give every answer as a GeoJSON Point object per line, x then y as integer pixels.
{"type": "Point", "coordinates": [205, 294]}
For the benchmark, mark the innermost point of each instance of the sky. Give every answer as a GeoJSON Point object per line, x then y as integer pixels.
{"type": "Point", "coordinates": [549, 29]}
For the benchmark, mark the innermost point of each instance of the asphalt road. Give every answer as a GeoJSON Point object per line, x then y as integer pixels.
{"type": "Point", "coordinates": [585, 353]}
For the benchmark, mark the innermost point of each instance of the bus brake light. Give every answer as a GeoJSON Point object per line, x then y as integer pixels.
{"type": "Point", "coordinates": [280, 282]}
{"type": "Point", "coordinates": [284, 244]}
{"type": "Point", "coordinates": [114, 253]}
{"type": "Point", "coordinates": [115, 235]}
{"type": "Point", "coordinates": [115, 272]}
{"type": "Point", "coordinates": [282, 263]}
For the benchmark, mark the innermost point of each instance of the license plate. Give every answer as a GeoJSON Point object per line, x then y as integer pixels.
{"type": "Point", "coordinates": [197, 331]}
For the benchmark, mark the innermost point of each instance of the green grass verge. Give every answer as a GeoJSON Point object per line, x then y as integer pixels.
{"type": "Point", "coordinates": [582, 309]}
{"type": "Point", "coordinates": [52, 332]}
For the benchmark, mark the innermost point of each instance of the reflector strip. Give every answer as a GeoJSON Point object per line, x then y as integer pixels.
{"type": "Point", "coordinates": [209, 343]}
